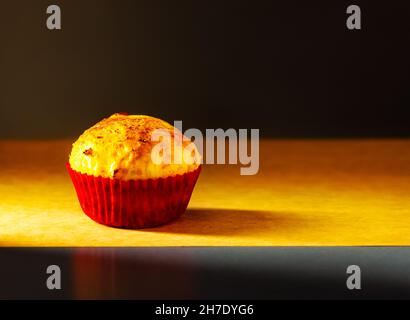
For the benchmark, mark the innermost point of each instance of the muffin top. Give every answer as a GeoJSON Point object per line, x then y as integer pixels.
{"type": "Point", "coordinates": [123, 147]}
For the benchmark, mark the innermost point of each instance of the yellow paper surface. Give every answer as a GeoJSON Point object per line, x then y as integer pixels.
{"type": "Point", "coordinates": [307, 192]}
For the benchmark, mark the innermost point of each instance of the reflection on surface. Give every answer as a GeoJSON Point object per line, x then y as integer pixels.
{"type": "Point", "coordinates": [140, 274]}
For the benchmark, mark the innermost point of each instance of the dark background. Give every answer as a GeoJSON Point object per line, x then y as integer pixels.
{"type": "Point", "coordinates": [289, 68]}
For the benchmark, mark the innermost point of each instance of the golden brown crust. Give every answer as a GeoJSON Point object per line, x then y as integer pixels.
{"type": "Point", "coordinates": [120, 147]}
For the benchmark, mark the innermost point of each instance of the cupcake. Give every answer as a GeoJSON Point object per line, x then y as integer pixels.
{"type": "Point", "coordinates": [133, 171]}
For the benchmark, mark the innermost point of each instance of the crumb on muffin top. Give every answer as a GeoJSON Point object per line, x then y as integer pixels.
{"type": "Point", "coordinates": [120, 147]}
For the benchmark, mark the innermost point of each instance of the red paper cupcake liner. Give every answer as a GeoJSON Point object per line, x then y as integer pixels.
{"type": "Point", "coordinates": [136, 203]}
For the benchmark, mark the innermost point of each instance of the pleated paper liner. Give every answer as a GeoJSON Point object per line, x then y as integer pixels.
{"type": "Point", "coordinates": [133, 204]}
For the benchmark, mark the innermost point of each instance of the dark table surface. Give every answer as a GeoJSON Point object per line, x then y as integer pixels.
{"type": "Point", "coordinates": [205, 273]}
